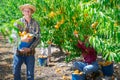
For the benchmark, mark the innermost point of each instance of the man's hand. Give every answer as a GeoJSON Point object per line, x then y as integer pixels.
{"type": "Point", "coordinates": [76, 35]}
{"type": "Point", "coordinates": [25, 50]}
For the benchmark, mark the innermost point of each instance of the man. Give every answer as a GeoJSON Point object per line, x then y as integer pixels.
{"type": "Point", "coordinates": [26, 54]}
{"type": "Point", "coordinates": [89, 63]}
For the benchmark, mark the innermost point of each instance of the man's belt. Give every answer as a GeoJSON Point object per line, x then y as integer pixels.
{"type": "Point", "coordinates": [32, 52]}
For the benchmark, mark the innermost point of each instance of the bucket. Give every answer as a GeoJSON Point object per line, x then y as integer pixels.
{"type": "Point", "coordinates": [43, 61]}
{"type": "Point", "coordinates": [78, 77]}
{"type": "Point", "coordinates": [108, 70]}
{"type": "Point", "coordinates": [24, 45]}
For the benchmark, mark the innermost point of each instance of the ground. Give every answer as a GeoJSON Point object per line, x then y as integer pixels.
{"type": "Point", "coordinates": [57, 69]}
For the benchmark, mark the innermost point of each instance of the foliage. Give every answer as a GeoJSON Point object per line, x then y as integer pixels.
{"type": "Point", "coordinates": [61, 19]}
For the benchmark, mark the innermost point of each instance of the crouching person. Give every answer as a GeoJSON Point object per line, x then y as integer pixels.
{"type": "Point", "coordinates": [89, 64]}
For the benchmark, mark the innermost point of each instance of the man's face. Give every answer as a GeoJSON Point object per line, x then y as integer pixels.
{"type": "Point", "coordinates": [27, 12]}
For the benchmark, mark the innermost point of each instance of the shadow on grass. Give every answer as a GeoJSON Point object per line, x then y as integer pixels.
{"type": "Point", "coordinates": [6, 66]}
{"type": "Point", "coordinates": [59, 55]}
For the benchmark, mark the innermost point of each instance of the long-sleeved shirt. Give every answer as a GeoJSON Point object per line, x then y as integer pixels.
{"type": "Point", "coordinates": [89, 54]}
{"type": "Point", "coordinates": [32, 27]}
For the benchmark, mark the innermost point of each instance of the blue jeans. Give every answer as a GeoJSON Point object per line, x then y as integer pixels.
{"type": "Point", "coordinates": [17, 63]}
{"type": "Point", "coordinates": [85, 67]}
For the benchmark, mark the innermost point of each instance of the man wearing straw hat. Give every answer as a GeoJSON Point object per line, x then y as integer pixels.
{"type": "Point", "coordinates": [26, 54]}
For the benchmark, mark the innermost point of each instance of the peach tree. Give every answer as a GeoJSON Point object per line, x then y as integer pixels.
{"type": "Point", "coordinates": [61, 19]}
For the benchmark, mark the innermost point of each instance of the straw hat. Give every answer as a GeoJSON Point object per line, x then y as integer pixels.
{"type": "Point", "coordinates": [33, 8]}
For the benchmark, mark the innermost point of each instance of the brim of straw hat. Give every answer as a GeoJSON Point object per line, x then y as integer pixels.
{"type": "Point", "coordinates": [27, 6]}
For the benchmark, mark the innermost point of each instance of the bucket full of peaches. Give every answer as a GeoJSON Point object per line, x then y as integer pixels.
{"type": "Point", "coordinates": [26, 40]}
{"type": "Point", "coordinates": [107, 68]}
{"type": "Point", "coordinates": [78, 75]}
{"type": "Point", "coordinates": [42, 60]}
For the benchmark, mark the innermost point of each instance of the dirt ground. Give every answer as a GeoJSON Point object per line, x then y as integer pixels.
{"type": "Point", "coordinates": [57, 69]}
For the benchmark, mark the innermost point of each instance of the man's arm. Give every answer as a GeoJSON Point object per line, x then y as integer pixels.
{"type": "Point", "coordinates": [82, 46]}
{"type": "Point", "coordinates": [37, 38]}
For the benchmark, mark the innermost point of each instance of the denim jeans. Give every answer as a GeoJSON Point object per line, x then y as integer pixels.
{"type": "Point", "coordinates": [85, 67]}
{"type": "Point", "coordinates": [17, 63]}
